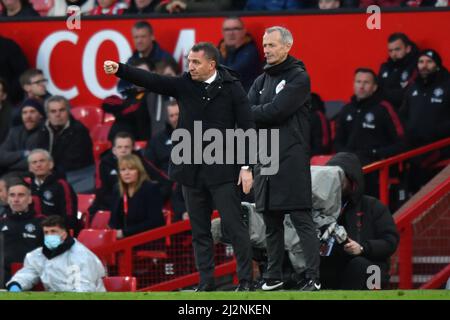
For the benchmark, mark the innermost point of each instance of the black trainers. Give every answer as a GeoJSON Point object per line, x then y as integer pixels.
{"type": "Point", "coordinates": [205, 287]}
{"type": "Point", "coordinates": [272, 285]}
{"type": "Point", "coordinates": [245, 285]}
{"type": "Point", "coordinates": [310, 285]}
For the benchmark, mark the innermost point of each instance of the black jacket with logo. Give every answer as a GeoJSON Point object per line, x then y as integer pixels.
{"type": "Point", "coordinates": [369, 128]}
{"type": "Point", "coordinates": [426, 109]}
{"type": "Point", "coordinates": [222, 105]}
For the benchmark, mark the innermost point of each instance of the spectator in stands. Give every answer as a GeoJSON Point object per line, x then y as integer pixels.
{"type": "Point", "coordinates": [63, 264]}
{"type": "Point", "coordinates": [381, 3]}
{"type": "Point", "coordinates": [19, 224]}
{"type": "Point", "coordinates": [13, 63]}
{"type": "Point", "coordinates": [22, 139]}
{"type": "Point", "coordinates": [142, 6]}
{"type": "Point", "coordinates": [371, 230]}
{"type": "Point", "coordinates": [139, 207]}
{"type": "Point", "coordinates": [273, 5]}
{"type": "Point", "coordinates": [109, 7]}
{"type": "Point", "coordinates": [238, 51]}
{"type": "Point", "coordinates": [399, 70]}
{"type": "Point", "coordinates": [145, 47]}
{"type": "Point", "coordinates": [18, 9]}
{"type": "Point", "coordinates": [158, 153]}
{"type": "Point", "coordinates": [132, 113]}
{"type": "Point", "coordinates": [3, 195]}
{"type": "Point", "coordinates": [320, 139]}
{"type": "Point", "coordinates": [368, 126]}
{"type": "Point", "coordinates": [5, 111]}
{"type": "Point", "coordinates": [186, 6]}
{"type": "Point", "coordinates": [59, 8]}
{"type": "Point", "coordinates": [69, 143]}
{"type": "Point", "coordinates": [329, 4]}
{"type": "Point", "coordinates": [55, 195]}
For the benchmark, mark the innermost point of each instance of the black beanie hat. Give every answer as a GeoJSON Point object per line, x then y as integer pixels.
{"type": "Point", "coordinates": [432, 54]}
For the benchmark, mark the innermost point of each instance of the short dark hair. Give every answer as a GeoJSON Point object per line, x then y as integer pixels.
{"type": "Point", "coordinates": [136, 62]}
{"type": "Point", "coordinates": [234, 18]}
{"type": "Point", "coordinates": [171, 103]}
{"type": "Point", "coordinates": [143, 25]}
{"type": "Point", "coordinates": [368, 70]}
{"type": "Point", "coordinates": [25, 77]}
{"type": "Point", "coordinates": [211, 52]}
{"type": "Point", "coordinates": [123, 135]}
{"type": "Point", "coordinates": [16, 181]}
{"type": "Point", "coordinates": [4, 85]}
{"type": "Point", "coordinates": [54, 221]}
{"type": "Point", "coordinates": [399, 36]}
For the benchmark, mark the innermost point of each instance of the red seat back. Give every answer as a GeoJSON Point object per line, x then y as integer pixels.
{"type": "Point", "coordinates": [120, 284]}
{"type": "Point", "coordinates": [89, 116]}
{"type": "Point", "coordinates": [320, 160]}
{"type": "Point", "coordinates": [101, 220]}
{"type": "Point", "coordinates": [100, 131]}
{"type": "Point", "coordinates": [94, 239]}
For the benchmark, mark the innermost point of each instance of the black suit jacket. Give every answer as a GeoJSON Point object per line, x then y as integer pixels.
{"type": "Point", "coordinates": [223, 105]}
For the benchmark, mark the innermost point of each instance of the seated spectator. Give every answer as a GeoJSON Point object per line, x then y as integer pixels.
{"type": "Point", "coordinates": [158, 153]}
{"type": "Point", "coordinates": [123, 144]}
{"type": "Point", "coordinates": [132, 113]}
{"type": "Point", "coordinates": [238, 51]}
{"type": "Point", "coordinates": [19, 224]}
{"type": "Point", "coordinates": [18, 9]}
{"type": "Point", "coordinates": [178, 6]}
{"type": "Point", "coordinates": [139, 207]}
{"type": "Point", "coordinates": [59, 8]}
{"type": "Point", "coordinates": [63, 264]}
{"type": "Point", "coordinates": [329, 4]}
{"type": "Point", "coordinates": [35, 87]}
{"type": "Point", "coordinates": [145, 47]}
{"type": "Point", "coordinates": [368, 126]}
{"type": "Point", "coordinates": [13, 63]}
{"type": "Point", "coordinates": [142, 6]}
{"type": "Point", "coordinates": [109, 7]}
{"type": "Point", "coordinates": [5, 111]}
{"type": "Point", "coordinates": [320, 127]}
{"type": "Point", "coordinates": [22, 139]}
{"type": "Point", "coordinates": [371, 230]}
{"type": "Point", "coordinates": [399, 71]}
{"type": "Point", "coordinates": [69, 143]}
{"type": "Point", "coordinates": [55, 195]}
{"type": "Point", "coordinates": [273, 5]}
{"type": "Point", "coordinates": [381, 3]}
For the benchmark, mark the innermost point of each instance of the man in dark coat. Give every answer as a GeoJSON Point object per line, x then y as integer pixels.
{"type": "Point", "coordinates": [213, 97]}
{"type": "Point", "coordinates": [279, 100]}
{"type": "Point", "coordinates": [372, 234]}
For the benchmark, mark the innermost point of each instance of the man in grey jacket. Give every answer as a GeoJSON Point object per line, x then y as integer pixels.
{"type": "Point", "coordinates": [62, 264]}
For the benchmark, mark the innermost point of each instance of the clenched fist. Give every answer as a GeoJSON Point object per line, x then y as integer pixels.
{"type": "Point", "coordinates": [110, 67]}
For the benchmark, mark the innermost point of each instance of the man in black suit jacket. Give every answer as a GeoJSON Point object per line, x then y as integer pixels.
{"type": "Point", "coordinates": [213, 95]}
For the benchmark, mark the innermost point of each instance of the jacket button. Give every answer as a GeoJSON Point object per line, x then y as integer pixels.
{"type": "Point", "coordinates": [203, 98]}
{"type": "Point", "coordinates": [208, 99]}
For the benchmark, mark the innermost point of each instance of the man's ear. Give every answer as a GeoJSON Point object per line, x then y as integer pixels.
{"type": "Point", "coordinates": [52, 165]}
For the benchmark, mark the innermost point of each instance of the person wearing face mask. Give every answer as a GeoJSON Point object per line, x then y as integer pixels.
{"type": "Point", "coordinates": [372, 234]}
{"type": "Point", "coordinates": [139, 207]}
{"type": "Point", "coordinates": [19, 224]}
{"type": "Point", "coordinates": [62, 264]}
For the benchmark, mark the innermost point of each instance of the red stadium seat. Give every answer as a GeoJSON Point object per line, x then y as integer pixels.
{"type": "Point", "coordinates": [120, 284]}
{"type": "Point", "coordinates": [140, 145]}
{"type": "Point", "coordinates": [101, 220]}
{"type": "Point", "coordinates": [42, 6]}
{"type": "Point", "coordinates": [320, 160]}
{"type": "Point", "coordinates": [93, 239]}
{"type": "Point", "coordinates": [84, 202]}
{"type": "Point", "coordinates": [89, 116]}
{"type": "Point", "coordinates": [100, 131]}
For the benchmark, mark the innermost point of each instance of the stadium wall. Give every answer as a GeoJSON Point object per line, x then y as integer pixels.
{"type": "Point", "coordinates": [331, 45]}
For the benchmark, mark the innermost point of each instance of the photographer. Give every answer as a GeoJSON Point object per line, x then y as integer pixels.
{"type": "Point", "coordinates": [372, 236]}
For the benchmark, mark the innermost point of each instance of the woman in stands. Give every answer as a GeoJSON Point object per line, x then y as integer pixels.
{"type": "Point", "coordinates": [139, 207]}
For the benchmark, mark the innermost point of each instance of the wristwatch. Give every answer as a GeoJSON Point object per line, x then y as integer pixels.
{"type": "Point", "coordinates": [246, 168]}
{"type": "Point", "coordinates": [361, 248]}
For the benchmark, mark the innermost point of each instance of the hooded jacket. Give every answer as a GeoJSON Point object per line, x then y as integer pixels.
{"type": "Point", "coordinates": [222, 105]}
{"type": "Point", "coordinates": [366, 220]}
{"type": "Point", "coordinates": [280, 99]}
{"type": "Point", "coordinates": [69, 268]}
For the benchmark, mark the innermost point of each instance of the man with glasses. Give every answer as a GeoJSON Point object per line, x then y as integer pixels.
{"type": "Point", "coordinates": [238, 51]}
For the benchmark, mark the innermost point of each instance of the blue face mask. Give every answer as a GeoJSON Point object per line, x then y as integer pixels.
{"type": "Point", "coordinates": [52, 241]}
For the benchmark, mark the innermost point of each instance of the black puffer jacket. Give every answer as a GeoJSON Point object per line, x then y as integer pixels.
{"type": "Point", "coordinates": [280, 99]}
{"type": "Point", "coordinates": [366, 220]}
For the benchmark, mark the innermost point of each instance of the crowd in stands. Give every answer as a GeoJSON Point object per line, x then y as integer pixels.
{"type": "Point", "coordinates": [35, 8]}
{"type": "Point", "coordinates": [406, 104]}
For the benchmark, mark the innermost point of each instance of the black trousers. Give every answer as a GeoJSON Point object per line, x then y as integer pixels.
{"type": "Point", "coordinates": [306, 229]}
{"type": "Point", "coordinates": [200, 202]}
